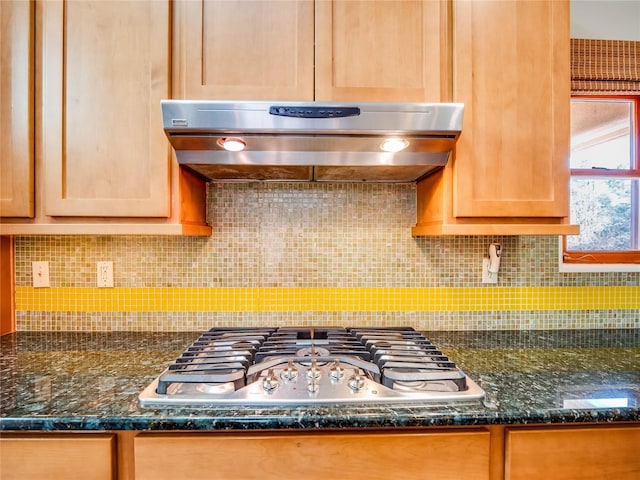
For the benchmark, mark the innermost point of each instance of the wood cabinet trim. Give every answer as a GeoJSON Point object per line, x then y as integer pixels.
{"type": "Point", "coordinates": [7, 285]}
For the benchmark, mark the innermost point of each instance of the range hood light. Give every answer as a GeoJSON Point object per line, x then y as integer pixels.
{"type": "Point", "coordinates": [393, 145]}
{"type": "Point", "coordinates": [232, 144]}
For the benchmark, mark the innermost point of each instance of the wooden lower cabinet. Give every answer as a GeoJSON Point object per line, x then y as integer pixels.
{"type": "Point", "coordinates": [493, 452]}
{"type": "Point", "coordinates": [573, 453]}
{"type": "Point", "coordinates": [323, 456]}
{"type": "Point", "coordinates": [76, 456]}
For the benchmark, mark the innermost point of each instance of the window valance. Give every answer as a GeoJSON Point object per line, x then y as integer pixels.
{"type": "Point", "coordinates": [605, 67]}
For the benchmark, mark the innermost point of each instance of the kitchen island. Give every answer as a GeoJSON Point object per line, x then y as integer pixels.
{"type": "Point", "coordinates": [55, 382]}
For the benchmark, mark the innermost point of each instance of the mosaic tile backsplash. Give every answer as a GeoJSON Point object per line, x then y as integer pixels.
{"type": "Point", "coordinates": [321, 254]}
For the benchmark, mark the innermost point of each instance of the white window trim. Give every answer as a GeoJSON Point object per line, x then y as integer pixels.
{"type": "Point", "coordinates": [592, 267]}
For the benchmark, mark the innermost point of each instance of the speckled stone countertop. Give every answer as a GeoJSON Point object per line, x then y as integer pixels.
{"type": "Point", "coordinates": [91, 381]}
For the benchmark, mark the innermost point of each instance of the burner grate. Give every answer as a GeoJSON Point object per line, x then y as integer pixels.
{"type": "Point", "coordinates": [406, 358]}
{"type": "Point", "coordinates": [219, 356]}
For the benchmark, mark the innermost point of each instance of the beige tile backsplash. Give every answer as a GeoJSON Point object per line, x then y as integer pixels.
{"type": "Point", "coordinates": [302, 236]}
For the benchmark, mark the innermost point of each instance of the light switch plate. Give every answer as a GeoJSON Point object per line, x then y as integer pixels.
{"type": "Point", "coordinates": [40, 272]}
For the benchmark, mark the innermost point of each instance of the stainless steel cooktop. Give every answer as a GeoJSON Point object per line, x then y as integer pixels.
{"type": "Point", "coordinates": [310, 365]}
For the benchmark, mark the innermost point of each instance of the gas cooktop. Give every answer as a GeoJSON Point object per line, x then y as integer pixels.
{"type": "Point", "coordinates": [310, 365]}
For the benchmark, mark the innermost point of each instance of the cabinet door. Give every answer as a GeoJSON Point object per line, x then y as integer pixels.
{"type": "Point", "coordinates": [243, 50]}
{"type": "Point", "coordinates": [573, 453]}
{"type": "Point", "coordinates": [16, 109]}
{"type": "Point", "coordinates": [104, 67]}
{"type": "Point", "coordinates": [511, 70]}
{"type": "Point", "coordinates": [382, 51]}
{"type": "Point", "coordinates": [343, 456]}
{"type": "Point", "coordinates": [57, 457]}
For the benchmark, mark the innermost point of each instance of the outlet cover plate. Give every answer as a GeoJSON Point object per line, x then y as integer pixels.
{"type": "Point", "coordinates": [105, 274]}
{"type": "Point", "coordinates": [488, 277]}
{"type": "Point", "coordinates": [40, 271]}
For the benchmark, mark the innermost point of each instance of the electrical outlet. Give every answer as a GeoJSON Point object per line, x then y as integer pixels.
{"type": "Point", "coordinates": [40, 271]}
{"type": "Point", "coordinates": [487, 276]}
{"type": "Point", "coordinates": [105, 274]}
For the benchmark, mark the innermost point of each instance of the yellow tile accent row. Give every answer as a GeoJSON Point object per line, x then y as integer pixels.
{"type": "Point", "coordinates": [325, 299]}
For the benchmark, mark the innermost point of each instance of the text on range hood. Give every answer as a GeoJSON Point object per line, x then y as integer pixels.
{"type": "Point", "coordinates": [312, 141]}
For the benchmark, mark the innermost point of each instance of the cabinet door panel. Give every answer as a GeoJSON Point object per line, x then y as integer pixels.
{"type": "Point", "coordinates": [57, 457]}
{"type": "Point", "coordinates": [381, 51]}
{"type": "Point", "coordinates": [105, 68]}
{"type": "Point", "coordinates": [342, 456]}
{"type": "Point", "coordinates": [16, 109]}
{"type": "Point", "coordinates": [580, 453]}
{"type": "Point", "coordinates": [247, 50]}
{"type": "Point", "coordinates": [511, 70]}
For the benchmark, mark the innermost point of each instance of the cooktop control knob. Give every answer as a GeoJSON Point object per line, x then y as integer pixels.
{"type": "Point", "coordinates": [290, 373]}
{"type": "Point", "coordinates": [336, 371]}
{"type": "Point", "coordinates": [313, 371]}
{"type": "Point", "coordinates": [313, 385]}
{"type": "Point", "coordinates": [270, 382]}
{"type": "Point", "coordinates": [356, 381]}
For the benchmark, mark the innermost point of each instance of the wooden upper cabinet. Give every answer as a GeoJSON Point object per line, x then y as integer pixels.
{"type": "Point", "coordinates": [243, 50]}
{"type": "Point", "coordinates": [269, 50]}
{"type": "Point", "coordinates": [510, 171]}
{"type": "Point", "coordinates": [512, 73]}
{"type": "Point", "coordinates": [82, 145]}
{"type": "Point", "coordinates": [104, 67]}
{"type": "Point", "coordinates": [394, 51]}
{"type": "Point", "coordinates": [16, 109]}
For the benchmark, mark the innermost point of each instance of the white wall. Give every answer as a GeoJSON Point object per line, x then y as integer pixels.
{"type": "Point", "coordinates": [605, 19]}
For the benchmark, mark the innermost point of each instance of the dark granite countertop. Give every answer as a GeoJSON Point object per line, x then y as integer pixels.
{"type": "Point", "coordinates": [91, 381]}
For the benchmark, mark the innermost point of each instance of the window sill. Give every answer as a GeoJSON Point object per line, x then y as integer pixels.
{"type": "Point", "coordinates": [593, 267]}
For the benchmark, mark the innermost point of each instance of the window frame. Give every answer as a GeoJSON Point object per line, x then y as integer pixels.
{"type": "Point", "coordinates": [578, 258]}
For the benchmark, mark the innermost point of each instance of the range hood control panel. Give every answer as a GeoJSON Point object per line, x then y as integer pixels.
{"type": "Point", "coordinates": [314, 112]}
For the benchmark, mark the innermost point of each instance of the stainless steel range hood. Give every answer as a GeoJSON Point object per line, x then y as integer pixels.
{"type": "Point", "coordinates": [312, 141]}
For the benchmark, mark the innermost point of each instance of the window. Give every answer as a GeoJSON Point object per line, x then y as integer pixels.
{"type": "Point", "coordinates": [605, 180]}
{"type": "Point", "coordinates": [605, 156]}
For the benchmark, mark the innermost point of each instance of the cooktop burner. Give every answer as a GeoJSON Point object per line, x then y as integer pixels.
{"type": "Point", "coordinates": [307, 365]}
